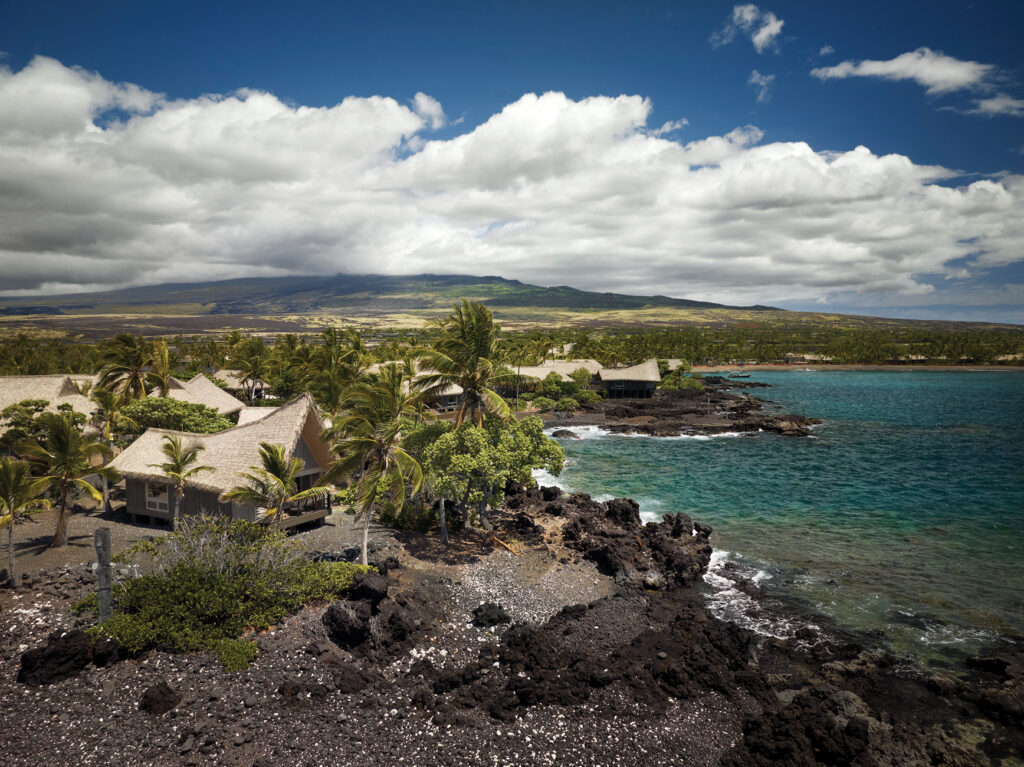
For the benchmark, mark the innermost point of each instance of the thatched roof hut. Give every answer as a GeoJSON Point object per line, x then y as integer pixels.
{"type": "Point", "coordinates": [55, 389]}
{"type": "Point", "coordinates": [296, 425]}
{"type": "Point", "coordinates": [202, 391]}
{"type": "Point", "coordinates": [636, 381]}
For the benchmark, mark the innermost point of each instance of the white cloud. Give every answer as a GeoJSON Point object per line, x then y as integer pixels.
{"type": "Point", "coordinates": [429, 109]}
{"type": "Point", "coordinates": [930, 69]}
{"type": "Point", "coordinates": [826, 50]}
{"type": "Point", "coordinates": [548, 190]}
{"type": "Point", "coordinates": [762, 27]}
{"type": "Point", "coordinates": [669, 127]}
{"type": "Point", "coordinates": [1000, 104]}
{"type": "Point", "coordinates": [763, 84]}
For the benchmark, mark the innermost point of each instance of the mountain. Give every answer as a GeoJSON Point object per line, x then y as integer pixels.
{"type": "Point", "coordinates": [350, 294]}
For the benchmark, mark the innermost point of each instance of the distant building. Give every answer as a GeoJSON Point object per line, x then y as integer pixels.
{"type": "Point", "coordinates": [637, 381]}
{"type": "Point", "coordinates": [200, 390]}
{"type": "Point", "coordinates": [55, 389]}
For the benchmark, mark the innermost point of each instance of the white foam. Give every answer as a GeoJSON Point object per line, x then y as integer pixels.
{"type": "Point", "coordinates": [597, 432]}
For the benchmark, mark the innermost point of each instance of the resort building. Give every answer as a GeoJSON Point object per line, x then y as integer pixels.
{"type": "Point", "coordinates": [202, 391]}
{"type": "Point", "coordinates": [55, 389]}
{"type": "Point", "coordinates": [634, 382]}
{"type": "Point", "coordinates": [296, 426]}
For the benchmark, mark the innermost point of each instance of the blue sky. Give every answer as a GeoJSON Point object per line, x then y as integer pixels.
{"type": "Point", "coordinates": [939, 83]}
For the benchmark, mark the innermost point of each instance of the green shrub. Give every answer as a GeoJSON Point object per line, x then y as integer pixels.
{"type": "Point", "coordinates": [544, 404]}
{"type": "Point", "coordinates": [416, 517]}
{"type": "Point", "coordinates": [214, 581]}
{"type": "Point", "coordinates": [167, 413]}
{"type": "Point", "coordinates": [678, 379]}
{"type": "Point", "coordinates": [567, 404]}
{"type": "Point", "coordinates": [587, 395]}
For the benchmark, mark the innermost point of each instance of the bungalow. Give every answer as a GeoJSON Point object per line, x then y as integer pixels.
{"type": "Point", "coordinates": [634, 382]}
{"type": "Point", "coordinates": [231, 453]}
{"type": "Point", "coordinates": [55, 389]}
{"type": "Point", "coordinates": [200, 390]}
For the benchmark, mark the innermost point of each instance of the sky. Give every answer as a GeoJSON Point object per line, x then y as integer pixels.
{"type": "Point", "coordinates": [862, 157]}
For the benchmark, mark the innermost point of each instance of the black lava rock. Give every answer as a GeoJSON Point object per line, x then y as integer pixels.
{"type": "Point", "coordinates": [62, 657]}
{"type": "Point", "coordinates": [159, 698]}
{"type": "Point", "coordinates": [490, 614]}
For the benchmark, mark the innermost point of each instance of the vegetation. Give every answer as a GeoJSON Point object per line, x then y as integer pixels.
{"type": "Point", "coordinates": [680, 378]}
{"type": "Point", "coordinates": [125, 365]}
{"type": "Point", "coordinates": [214, 581]}
{"type": "Point", "coordinates": [471, 465]}
{"type": "Point", "coordinates": [66, 456]}
{"type": "Point", "coordinates": [19, 497]}
{"type": "Point", "coordinates": [467, 355]}
{"type": "Point", "coordinates": [272, 485]}
{"type": "Point", "coordinates": [172, 414]}
{"type": "Point", "coordinates": [367, 443]}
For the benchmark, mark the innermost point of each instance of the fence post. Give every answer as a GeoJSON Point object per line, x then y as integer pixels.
{"type": "Point", "coordinates": [103, 572]}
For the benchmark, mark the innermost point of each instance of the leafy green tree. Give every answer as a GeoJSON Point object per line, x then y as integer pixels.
{"type": "Point", "coordinates": [19, 497]}
{"type": "Point", "coordinates": [22, 421]}
{"type": "Point", "coordinates": [66, 456]}
{"type": "Point", "coordinates": [125, 363]}
{"type": "Point", "coordinates": [167, 413]}
{"type": "Point", "coordinates": [367, 442]}
{"type": "Point", "coordinates": [466, 355]}
{"type": "Point", "coordinates": [251, 359]}
{"type": "Point", "coordinates": [472, 464]}
{"type": "Point", "coordinates": [273, 484]}
{"type": "Point", "coordinates": [680, 379]}
{"type": "Point", "coordinates": [179, 468]}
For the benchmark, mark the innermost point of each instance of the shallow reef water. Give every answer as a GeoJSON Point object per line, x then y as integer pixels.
{"type": "Point", "coordinates": [903, 515]}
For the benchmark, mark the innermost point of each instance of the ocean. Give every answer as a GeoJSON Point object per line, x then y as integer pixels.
{"type": "Point", "coordinates": [901, 519]}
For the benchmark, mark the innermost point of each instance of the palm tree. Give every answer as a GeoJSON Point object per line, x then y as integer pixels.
{"type": "Point", "coordinates": [163, 364]}
{"type": "Point", "coordinates": [19, 491]}
{"type": "Point", "coordinates": [67, 459]}
{"type": "Point", "coordinates": [124, 365]}
{"type": "Point", "coordinates": [273, 484]}
{"type": "Point", "coordinates": [250, 359]}
{"type": "Point", "coordinates": [110, 421]}
{"type": "Point", "coordinates": [367, 442]}
{"type": "Point", "coordinates": [179, 468]}
{"type": "Point", "coordinates": [466, 355]}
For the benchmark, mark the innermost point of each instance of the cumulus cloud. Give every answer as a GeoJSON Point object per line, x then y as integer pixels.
{"type": "Point", "coordinates": [762, 27]}
{"type": "Point", "coordinates": [669, 127]}
{"type": "Point", "coordinates": [105, 185]}
{"type": "Point", "coordinates": [826, 50]}
{"type": "Point", "coordinates": [930, 69]}
{"type": "Point", "coordinates": [429, 109]}
{"type": "Point", "coordinates": [763, 84]}
{"type": "Point", "coordinates": [1000, 104]}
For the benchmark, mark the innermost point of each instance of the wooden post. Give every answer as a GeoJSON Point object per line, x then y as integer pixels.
{"type": "Point", "coordinates": [103, 572]}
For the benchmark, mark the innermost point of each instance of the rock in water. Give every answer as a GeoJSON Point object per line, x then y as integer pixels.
{"type": "Point", "coordinates": [62, 657]}
{"type": "Point", "coordinates": [490, 614]}
{"type": "Point", "coordinates": [159, 698]}
{"type": "Point", "coordinates": [564, 434]}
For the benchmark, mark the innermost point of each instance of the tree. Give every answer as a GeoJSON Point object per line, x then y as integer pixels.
{"type": "Point", "coordinates": [111, 419]}
{"type": "Point", "coordinates": [22, 421]}
{"type": "Point", "coordinates": [19, 492]}
{"type": "Point", "coordinates": [466, 355]}
{"type": "Point", "coordinates": [367, 439]}
{"type": "Point", "coordinates": [66, 456]}
{"type": "Point", "coordinates": [250, 359]}
{"type": "Point", "coordinates": [471, 464]}
{"type": "Point", "coordinates": [124, 365]}
{"type": "Point", "coordinates": [273, 484]}
{"type": "Point", "coordinates": [167, 413]}
{"type": "Point", "coordinates": [179, 468]}
{"type": "Point", "coordinates": [159, 376]}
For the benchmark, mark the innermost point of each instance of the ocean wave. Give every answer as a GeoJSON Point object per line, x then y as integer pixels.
{"type": "Point", "coordinates": [728, 602]}
{"type": "Point", "coordinates": [597, 432]}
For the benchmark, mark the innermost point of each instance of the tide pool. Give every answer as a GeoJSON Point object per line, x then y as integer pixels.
{"type": "Point", "coordinates": [903, 515]}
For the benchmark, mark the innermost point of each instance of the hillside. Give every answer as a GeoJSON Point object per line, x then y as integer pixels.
{"type": "Point", "coordinates": [298, 304]}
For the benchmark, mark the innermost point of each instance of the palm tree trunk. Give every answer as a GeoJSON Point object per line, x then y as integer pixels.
{"type": "Point", "coordinates": [60, 535]}
{"type": "Point", "coordinates": [174, 510]}
{"type": "Point", "coordinates": [11, 580]}
{"type": "Point", "coordinates": [444, 522]}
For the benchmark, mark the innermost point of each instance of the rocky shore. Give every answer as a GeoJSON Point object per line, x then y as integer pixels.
{"type": "Point", "coordinates": [715, 410]}
{"type": "Point", "coordinates": [592, 646]}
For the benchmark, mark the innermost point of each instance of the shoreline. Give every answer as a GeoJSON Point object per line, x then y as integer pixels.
{"type": "Point", "coordinates": [797, 367]}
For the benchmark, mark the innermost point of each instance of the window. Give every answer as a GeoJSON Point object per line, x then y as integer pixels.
{"type": "Point", "coordinates": [156, 497]}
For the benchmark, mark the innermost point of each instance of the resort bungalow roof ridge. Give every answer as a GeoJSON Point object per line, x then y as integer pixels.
{"type": "Point", "coordinates": [200, 390]}
{"type": "Point", "coordinates": [645, 371]}
{"type": "Point", "coordinates": [565, 367]}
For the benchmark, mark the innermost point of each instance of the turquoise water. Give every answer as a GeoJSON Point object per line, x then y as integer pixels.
{"type": "Point", "coordinates": [904, 515]}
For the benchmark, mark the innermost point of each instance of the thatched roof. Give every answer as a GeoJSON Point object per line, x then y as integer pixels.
{"type": "Point", "coordinates": [645, 371]}
{"type": "Point", "coordinates": [570, 366]}
{"type": "Point", "coordinates": [250, 414]}
{"type": "Point", "coordinates": [56, 389]}
{"type": "Point", "coordinates": [537, 371]}
{"type": "Point", "coordinates": [233, 451]}
{"type": "Point", "coordinates": [202, 391]}
{"type": "Point", "coordinates": [449, 391]}
{"type": "Point", "coordinates": [233, 378]}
